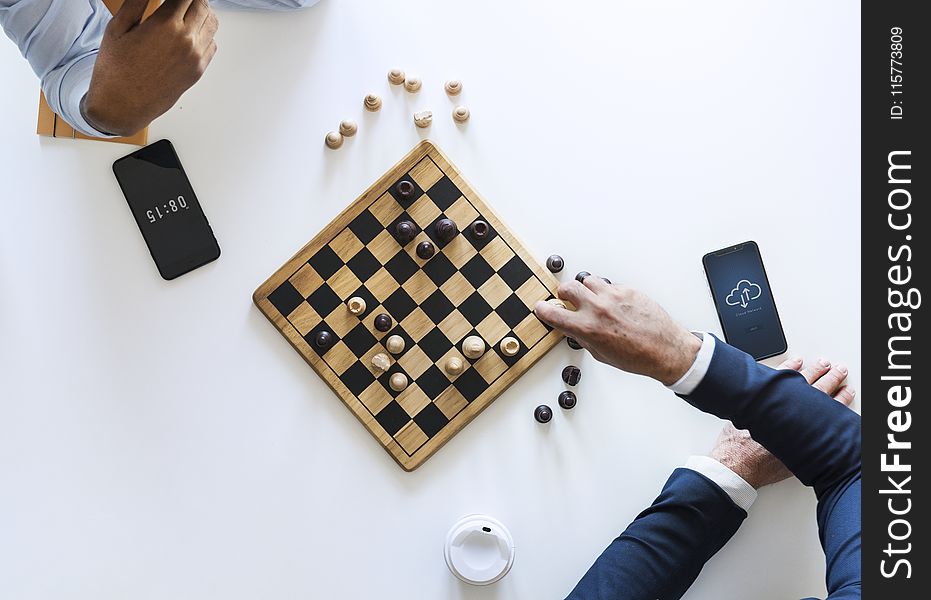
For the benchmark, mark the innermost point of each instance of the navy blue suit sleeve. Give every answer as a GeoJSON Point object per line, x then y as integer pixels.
{"type": "Point", "coordinates": [816, 437]}
{"type": "Point", "coordinates": [662, 552]}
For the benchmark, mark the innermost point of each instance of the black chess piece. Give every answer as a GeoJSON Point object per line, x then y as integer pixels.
{"type": "Point", "coordinates": [573, 343]}
{"type": "Point", "coordinates": [567, 400]}
{"type": "Point", "coordinates": [555, 263]}
{"type": "Point", "coordinates": [446, 230]}
{"type": "Point", "coordinates": [383, 322]}
{"type": "Point", "coordinates": [581, 275]}
{"type": "Point", "coordinates": [323, 339]}
{"type": "Point", "coordinates": [406, 232]}
{"type": "Point", "coordinates": [405, 189]}
{"type": "Point", "coordinates": [426, 249]}
{"type": "Point", "coordinates": [479, 229]}
{"type": "Point", "coordinates": [543, 414]}
{"type": "Point", "coordinates": [571, 375]}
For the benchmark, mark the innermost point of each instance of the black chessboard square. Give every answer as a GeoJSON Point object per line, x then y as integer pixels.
{"type": "Point", "coordinates": [481, 242]}
{"type": "Point", "coordinates": [475, 309]}
{"type": "Point", "coordinates": [433, 382]}
{"type": "Point", "coordinates": [512, 311]}
{"type": "Point", "coordinates": [405, 202]}
{"type": "Point", "coordinates": [431, 420]}
{"type": "Point", "coordinates": [366, 227]}
{"type": "Point", "coordinates": [431, 231]}
{"type": "Point", "coordinates": [515, 273]}
{"type": "Point", "coordinates": [392, 417]}
{"type": "Point", "coordinates": [393, 227]}
{"type": "Point", "coordinates": [357, 378]}
{"type": "Point", "coordinates": [370, 301]}
{"type": "Point", "coordinates": [325, 262]}
{"type": "Point", "coordinates": [439, 269]}
{"type": "Point", "coordinates": [285, 298]}
{"type": "Point", "coordinates": [444, 193]}
{"type": "Point", "coordinates": [470, 384]}
{"type": "Point", "coordinates": [360, 340]}
{"type": "Point", "coordinates": [435, 344]}
{"type": "Point", "coordinates": [312, 334]}
{"type": "Point", "coordinates": [401, 267]}
{"type": "Point", "coordinates": [324, 300]}
{"type": "Point", "coordinates": [510, 360]}
{"type": "Point", "coordinates": [364, 264]}
{"type": "Point", "coordinates": [477, 271]}
{"type": "Point", "coordinates": [399, 304]}
{"type": "Point", "coordinates": [437, 306]}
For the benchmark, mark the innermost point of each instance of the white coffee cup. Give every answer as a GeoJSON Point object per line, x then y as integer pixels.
{"type": "Point", "coordinates": [479, 549]}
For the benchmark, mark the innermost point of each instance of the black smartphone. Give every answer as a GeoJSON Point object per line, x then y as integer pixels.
{"type": "Point", "coordinates": [169, 216]}
{"type": "Point", "coordinates": [744, 300]}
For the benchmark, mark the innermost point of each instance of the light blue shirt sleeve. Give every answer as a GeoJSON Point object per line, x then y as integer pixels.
{"type": "Point", "coordinates": [60, 40]}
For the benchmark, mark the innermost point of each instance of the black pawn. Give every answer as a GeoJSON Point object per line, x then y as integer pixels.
{"type": "Point", "coordinates": [555, 263]}
{"type": "Point", "coordinates": [405, 189]}
{"type": "Point", "coordinates": [406, 232]}
{"type": "Point", "coordinates": [606, 280]}
{"type": "Point", "coordinates": [479, 229]}
{"type": "Point", "coordinates": [383, 322]}
{"type": "Point", "coordinates": [571, 375]}
{"type": "Point", "coordinates": [581, 275]}
{"type": "Point", "coordinates": [543, 413]}
{"type": "Point", "coordinates": [573, 344]}
{"type": "Point", "coordinates": [567, 400]}
{"type": "Point", "coordinates": [425, 249]}
{"type": "Point", "coordinates": [323, 339]}
{"type": "Point", "coordinates": [446, 230]}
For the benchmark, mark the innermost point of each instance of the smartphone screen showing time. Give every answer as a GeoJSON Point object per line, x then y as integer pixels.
{"type": "Point", "coordinates": [165, 208]}
{"type": "Point", "coordinates": [744, 300]}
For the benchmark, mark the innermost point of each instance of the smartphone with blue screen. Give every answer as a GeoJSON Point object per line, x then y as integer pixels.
{"type": "Point", "coordinates": [744, 301]}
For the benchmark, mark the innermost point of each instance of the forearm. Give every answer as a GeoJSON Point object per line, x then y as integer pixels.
{"type": "Point", "coordinates": [264, 4]}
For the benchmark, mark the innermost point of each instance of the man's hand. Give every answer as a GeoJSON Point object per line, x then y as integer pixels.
{"type": "Point", "coordinates": [144, 67]}
{"type": "Point", "coordinates": [737, 451]}
{"type": "Point", "coordinates": [624, 328]}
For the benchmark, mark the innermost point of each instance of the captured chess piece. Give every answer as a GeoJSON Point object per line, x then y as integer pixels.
{"type": "Point", "coordinates": [555, 263]}
{"type": "Point", "coordinates": [405, 231]}
{"type": "Point", "coordinates": [372, 103]}
{"type": "Point", "coordinates": [425, 250]}
{"type": "Point", "coordinates": [423, 118]}
{"type": "Point", "coordinates": [571, 375]}
{"type": "Point", "coordinates": [412, 84]}
{"type": "Point", "coordinates": [461, 114]}
{"type": "Point", "coordinates": [383, 322]}
{"type": "Point", "coordinates": [323, 339]}
{"type": "Point", "coordinates": [581, 275]}
{"type": "Point", "coordinates": [479, 229]}
{"type": "Point", "coordinates": [348, 128]}
{"type": "Point", "coordinates": [543, 414]}
{"type": "Point", "coordinates": [573, 343]}
{"type": "Point", "coordinates": [567, 400]}
{"type": "Point", "coordinates": [334, 140]}
{"type": "Point", "coordinates": [473, 347]}
{"type": "Point", "coordinates": [405, 189]}
{"type": "Point", "coordinates": [396, 77]}
{"type": "Point", "coordinates": [446, 230]}
{"type": "Point", "coordinates": [453, 87]}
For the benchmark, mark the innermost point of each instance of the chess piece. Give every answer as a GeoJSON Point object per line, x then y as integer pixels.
{"type": "Point", "coordinates": [510, 346]}
{"type": "Point", "coordinates": [479, 229]}
{"type": "Point", "coordinates": [395, 344]}
{"type": "Point", "coordinates": [323, 339]}
{"type": "Point", "coordinates": [334, 140]}
{"type": "Point", "coordinates": [461, 114]}
{"type": "Point", "coordinates": [383, 322]}
{"type": "Point", "coordinates": [557, 303]}
{"type": "Point", "coordinates": [412, 84]}
{"type": "Point", "coordinates": [381, 362]}
{"type": "Point", "coordinates": [372, 103]}
{"type": "Point", "coordinates": [398, 382]}
{"type": "Point", "coordinates": [426, 250]}
{"type": "Point", "coordinates": [356, 305]}
{"type": "Point", "coordinates": [581, 275]}
{"type": "Point", "coordinates": [423, 118]}
{"type": "Point", "coordinates": [454, 365]}
{"type": "Point", "coordinates": [567, 399]}
{"type": "Point", "coordinates": [606, 280]}
{"type": "Point", "coordinates": [406, 232]}
{"type": "Point", "coordinates": [348, 128]}
{"type": "Point", "coordinates": [446, 230]}
{"type": "Point", "coordinates": [555, 263]}
{"type": "Point", "coordinates": [405, 189]}
{"type": "Point", "coordinates": [571, 375]}
{"type": "Point", "coordinates": [453, 87]}
{"type": "Point", "coordinates": [396, 76]}
{"type": "Point", "coordinates": [543, 414]}
{"type": "Point", "coordinates": [473, 347]}
{"type": "Point", "coordinates": [575, 345]}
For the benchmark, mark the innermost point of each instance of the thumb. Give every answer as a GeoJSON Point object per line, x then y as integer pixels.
{"type": "Point", "coordinates": [129, 15]}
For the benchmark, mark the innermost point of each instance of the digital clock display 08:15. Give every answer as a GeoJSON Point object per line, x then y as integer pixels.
{"type": "Point", "coordinates": [172, 206]}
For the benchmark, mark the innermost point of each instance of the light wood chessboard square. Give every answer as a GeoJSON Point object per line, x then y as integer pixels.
{"type": "Point", "coordinates": [471, 286]}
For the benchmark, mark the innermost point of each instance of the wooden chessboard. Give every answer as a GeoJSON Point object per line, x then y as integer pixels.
{"type": "Point", "coordinates": [471, 286]}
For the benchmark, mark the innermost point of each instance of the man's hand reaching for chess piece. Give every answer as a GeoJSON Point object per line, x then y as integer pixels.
{"type": "Point", "coordinates": [143, 67]}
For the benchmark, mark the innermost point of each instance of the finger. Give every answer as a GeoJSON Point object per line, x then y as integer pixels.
{"type": "Point", "coordinates": [208, 55]}
{"type": "Point", "coordinates": [554, 316]}
{"type": "Point", "coordinates": [791, 364]}
{"type": "Point", "coordinates": [595, 283]}
{"type": "Point", "coordinates": [813, 371]}
{"type": "Point", "coordinates": [209, 29]}
{"type": "Point", "coordinates": [845, 395]}
{"type": "Point", "coordinates": [575, 292]}
{"type": "Point", "coordinates": [174, 9]}
{"type": "Point", "coordinates": [832, 381]}
{"type": "Point", "coordinates": [129, 15]}
{"type": "Point", "coordinates": [197, 13]}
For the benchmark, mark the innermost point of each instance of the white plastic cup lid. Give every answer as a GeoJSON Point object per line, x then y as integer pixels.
{"type": "Point", "coordinates": [479, 550]}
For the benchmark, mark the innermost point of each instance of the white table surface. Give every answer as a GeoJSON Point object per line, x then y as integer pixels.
{"type": "Point", "coordinates": [162, 440]}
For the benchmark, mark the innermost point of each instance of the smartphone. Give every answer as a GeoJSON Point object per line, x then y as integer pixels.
{"type": "Point", "coordinates": [744, 300]}
{"type": "Point", "coordinates": [166, 209]}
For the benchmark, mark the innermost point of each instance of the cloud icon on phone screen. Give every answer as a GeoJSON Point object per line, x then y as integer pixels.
{"type": "Point", "coordinates": [743, 293]}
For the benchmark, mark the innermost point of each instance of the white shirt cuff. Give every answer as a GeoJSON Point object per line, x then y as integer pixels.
{"type": "Point", "coordinates": [688, 382]}
{"type": "Point", "coordinates": [741, 492]}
